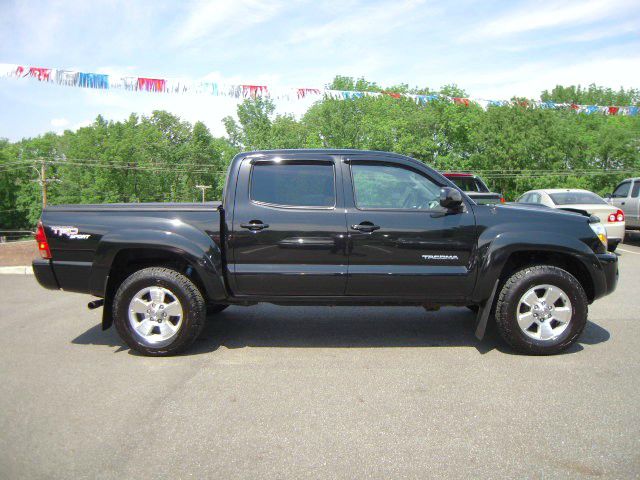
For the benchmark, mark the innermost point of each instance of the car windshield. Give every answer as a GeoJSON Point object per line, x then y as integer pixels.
{"type": "Point", "coordinates": [576, 198]}
{"type": "Point", "coordinates": [469, 184]}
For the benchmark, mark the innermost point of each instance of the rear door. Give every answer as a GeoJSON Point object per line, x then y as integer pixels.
{"type": "Point", "coordinates": [288, 229]}
{"type": "Point", "coordinates": [402, 243]}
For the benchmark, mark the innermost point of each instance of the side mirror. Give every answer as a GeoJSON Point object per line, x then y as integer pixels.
{"type": "Point", "coordinates": [608, 196]}
{"type": "Point", "coordinates": [450, 198]}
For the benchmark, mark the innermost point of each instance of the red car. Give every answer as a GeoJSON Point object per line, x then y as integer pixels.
{"type": "Point", "coordinates": [475, 188]}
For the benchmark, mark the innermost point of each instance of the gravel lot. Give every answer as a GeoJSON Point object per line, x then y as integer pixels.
{"type": "Point", "coordinates": [18, 253]}
{"type": "Point", "coordinates": [283, 392]}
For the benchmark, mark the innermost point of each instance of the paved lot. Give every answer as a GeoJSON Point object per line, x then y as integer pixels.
{"type": "Point", "coordinates": [275, 392]}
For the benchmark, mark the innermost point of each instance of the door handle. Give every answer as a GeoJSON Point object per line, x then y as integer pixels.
{"type": "Point", "coordinates": [255, 225]}
{"type": "Point", "coordinates": [622, 203]}
{"type": "Point", "coordinates": [365, 227]}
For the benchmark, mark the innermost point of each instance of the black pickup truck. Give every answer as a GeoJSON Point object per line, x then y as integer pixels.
{"type": "Point", "coordinates": [328, 227]}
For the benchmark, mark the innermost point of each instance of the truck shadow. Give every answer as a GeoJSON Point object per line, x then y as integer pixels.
{"type": "Point", "coordinates": [340, 327]}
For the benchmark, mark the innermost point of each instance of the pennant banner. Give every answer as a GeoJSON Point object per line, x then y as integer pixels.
{"type": "Point", "coordinates": [70, 78]}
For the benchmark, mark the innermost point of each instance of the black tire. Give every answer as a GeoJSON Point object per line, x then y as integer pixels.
{"type": "Point", "coordinates": [508, 301]}
{"type": "Point", "coordinates": [191, 301]}
{"type": "Point", "coordinates": [214, 308]}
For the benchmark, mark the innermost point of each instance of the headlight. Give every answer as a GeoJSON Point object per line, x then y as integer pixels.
{"type": "Point", "coordinates": [600, 232]}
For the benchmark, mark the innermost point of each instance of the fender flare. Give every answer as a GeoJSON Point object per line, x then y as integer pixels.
{"type": "Point", "coordinates": [495, 250]}
{"type": "Point", "coordinates": [196, 247]}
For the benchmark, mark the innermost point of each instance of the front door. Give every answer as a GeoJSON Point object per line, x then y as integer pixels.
{"type": "Point", "coordinates": [403, 244]}
{"type": "Point", "coordinates": [620, 198]}
{"type": "Point", "coordinates": [288, 230]}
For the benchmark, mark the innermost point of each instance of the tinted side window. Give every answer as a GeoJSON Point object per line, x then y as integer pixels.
{"type": "Point", "coordinates": [294, 184]}
{"type": "Point", "coordinates": [622, 190]}
{"type": "Point", "coordinates": [535, 198]}
{"type": "Point", "coordinates": [387, 186]}
{"type": "Point", "coordinates": [480, 185]}
{"type": "Point", "coordinates": [636, 189]}
{"type": "Point", "coordinates": [524, 198]}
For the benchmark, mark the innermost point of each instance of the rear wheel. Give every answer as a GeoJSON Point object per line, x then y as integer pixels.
{"type": "Point", "coordinates": [158, 311]}
{"type": "Point", "coordinates": [541, 310]}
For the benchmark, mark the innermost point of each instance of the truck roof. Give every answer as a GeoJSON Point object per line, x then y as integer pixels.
{"type": "Point", "coordinates": [457, 174]}
{"type": "Point", "coordinates": [328, 151]}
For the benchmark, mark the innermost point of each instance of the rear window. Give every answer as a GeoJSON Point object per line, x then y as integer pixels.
{"type": "Point", "coordinates": [469, 184]}
{"type": "Point", "coordinates": [294, 184]}
{"type": "Point", "coordinates": [576, 198]}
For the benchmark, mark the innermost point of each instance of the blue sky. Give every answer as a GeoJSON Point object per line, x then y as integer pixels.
{"type": "Point", "coordinates": [493, 49]}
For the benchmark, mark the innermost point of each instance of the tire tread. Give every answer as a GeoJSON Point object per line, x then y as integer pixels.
{"type": "Point", "coordinates": [507, 327]}
{"type": "Point", "coordinates": [197, 311]}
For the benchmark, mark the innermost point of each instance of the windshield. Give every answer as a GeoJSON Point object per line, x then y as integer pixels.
{"type": "Point", "coordinates": [576, 198]}
{"type": "Point", "coordinates": [469, 184]}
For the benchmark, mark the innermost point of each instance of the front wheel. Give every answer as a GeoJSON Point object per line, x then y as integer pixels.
{"type": "Point", "coordinates": [158, 311]}
{"type": "Point", "coordinates": [541, 310]}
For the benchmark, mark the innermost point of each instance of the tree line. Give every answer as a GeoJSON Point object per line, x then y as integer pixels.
{"type": "Point", "coordinates": [162, 158]}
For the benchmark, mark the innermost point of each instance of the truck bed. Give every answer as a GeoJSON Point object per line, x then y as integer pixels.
{"type": "Point", "coordinates": [84, 238]}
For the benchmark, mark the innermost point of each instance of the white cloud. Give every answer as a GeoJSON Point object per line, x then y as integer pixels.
{"type": "Point", "coordinates": [370, 20]}
{"type": "Point", "coordinates": [222, 18]}
{"type": "Point", "coordinates": [59, 122]}
{"type": "Point", "coordinates": [530, 79]}
{"type": "Point", "coordinates": [544, 15]}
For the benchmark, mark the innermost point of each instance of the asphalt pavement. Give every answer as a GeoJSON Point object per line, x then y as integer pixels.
{"type": "Point", "coordinates": [301, 392]}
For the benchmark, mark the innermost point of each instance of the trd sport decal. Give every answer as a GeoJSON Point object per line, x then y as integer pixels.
{"type": "Point", "coordinates": [440, 257]}
{"type": "Point", "coordinates": [70, 232]}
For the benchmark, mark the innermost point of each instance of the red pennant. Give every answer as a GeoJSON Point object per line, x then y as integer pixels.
{"type": "Point", "coordinates": [151, 84]}
{"type": "Point", "coordinates": [303, 92]}
{"type": "Point", "coordinates": [253, 90]}
{"type": "Point", "coordinates": [461, 101]}
{"type": "Point", "coordinates": [40, 74]}
{"type": "Point", "coordinates": [613, 110]}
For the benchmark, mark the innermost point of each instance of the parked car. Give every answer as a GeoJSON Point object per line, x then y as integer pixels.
{"type": "Point", "coordinates": [625, 196]}
{"type": "Point", "coordinates": [475, 188]}
{"type": "Point", "coordinates": [611, 217]}
{"type": "Point", "coordinates": [328, 227]}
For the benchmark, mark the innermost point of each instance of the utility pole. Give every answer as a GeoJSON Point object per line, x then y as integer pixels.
{"type": "Point", "coordinates": [203, 188]}
{"type": "Point", "coordinates": [43, 180]}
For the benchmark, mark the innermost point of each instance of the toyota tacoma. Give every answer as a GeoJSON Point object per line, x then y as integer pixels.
{"type": "Point", "coordinates": [328, 227]}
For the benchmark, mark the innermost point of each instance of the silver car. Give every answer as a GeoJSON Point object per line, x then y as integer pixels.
{"type": "Point", "coordinates": [613, 219]}
{"type": "Point", "coordinates": [625, 197]}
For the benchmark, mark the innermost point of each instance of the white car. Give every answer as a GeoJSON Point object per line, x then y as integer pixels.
{"type": "Point", "coordinates": [575, 199]}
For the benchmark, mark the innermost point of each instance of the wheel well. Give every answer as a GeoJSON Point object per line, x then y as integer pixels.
{"type": "Point", "coordinates": [519, 260]}
{"type": "Point", "coordinates": [131, 260]}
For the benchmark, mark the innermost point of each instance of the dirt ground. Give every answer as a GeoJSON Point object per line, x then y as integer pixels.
{"type": "Point", "coordinates": [17, 253]}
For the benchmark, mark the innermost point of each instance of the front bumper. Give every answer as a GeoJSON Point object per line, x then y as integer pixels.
{"type": "Point", "coordinates": [44, 274]}
{"type": "Point", "coordinates": [608, 263]}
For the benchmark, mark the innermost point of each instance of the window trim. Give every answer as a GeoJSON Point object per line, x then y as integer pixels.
{"type": "Point", "coordinates": [637, 190]}
{"type": "Point", "coordinates": [628, 182]}
{"type": "Point", "coordinates": [351, 162]}
{"type": "Point", "coordinates": [272, 161]}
